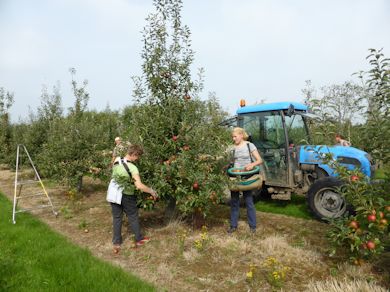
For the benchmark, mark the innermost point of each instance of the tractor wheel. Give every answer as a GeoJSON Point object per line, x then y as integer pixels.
{"type": "Point", "coordinates": [324, 199]}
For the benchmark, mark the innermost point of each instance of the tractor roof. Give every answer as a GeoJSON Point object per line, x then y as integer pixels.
{"type": "Point", "coordinates": [271, 107]}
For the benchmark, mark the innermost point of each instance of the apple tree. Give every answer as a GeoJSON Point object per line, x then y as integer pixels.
{"type": "Point", "coordinates": [376, 133]}
{"type": "Point", "coordinates": [180, 133]}
{"type": "Point", "coordinates": [75, 143]}
{"type": "Point", "coordinates": [6, 101]}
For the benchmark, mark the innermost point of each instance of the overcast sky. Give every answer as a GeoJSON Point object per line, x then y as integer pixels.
{"type": "Point", "coordinates": [252, 49]}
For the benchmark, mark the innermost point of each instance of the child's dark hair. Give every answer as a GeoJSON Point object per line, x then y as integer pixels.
{"type": "Point", "coordinates": [135, 150]}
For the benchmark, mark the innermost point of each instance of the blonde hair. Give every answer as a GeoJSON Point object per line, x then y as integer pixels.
{"type": "Point", "coordinates": [241, 131]}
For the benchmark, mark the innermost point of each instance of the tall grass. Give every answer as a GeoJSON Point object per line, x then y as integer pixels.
{"type": "Point", "coordinates": [34, 258]}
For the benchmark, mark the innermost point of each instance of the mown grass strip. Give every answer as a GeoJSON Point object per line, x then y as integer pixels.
{"type": "Point", "coordinates": [297, 207]}
{"type": "Point", "coordinates": [34, 258]}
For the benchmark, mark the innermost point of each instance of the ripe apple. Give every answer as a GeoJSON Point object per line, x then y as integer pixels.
{"type": "Point", "coordinates": [383, 221]}
{"type": "Point", "coordinates": [354, 224]}
{"type": "Point", "coordinates": [195, 186]}
{"type": "Point", "coordinates": [186, 148]}
{"type": "Point", "coordinates": [174, 138]}
{"type": "Point", "coordinates": [381, 215]}
{"type": "Point", "coordinates": [371, 218]}
{"type": "Point", "coordinates": [387, 208]}
{"type": "Point", "coordinates": [354, 178]}
{"type": "Point", "coordinates": [370, 244]}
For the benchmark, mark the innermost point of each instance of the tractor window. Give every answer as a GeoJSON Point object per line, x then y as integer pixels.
{"type": "Point", "coordinates": [251, 124]}
{"type": "Point", "coordinates": [274, 131]}
{"type": "Point", "coordinates": [296, 130]}
{"type": "Point", "coordinates": [266, 131]}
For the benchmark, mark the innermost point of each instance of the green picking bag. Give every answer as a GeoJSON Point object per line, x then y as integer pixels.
{"type": "Point", "coordinates": [241, 180]}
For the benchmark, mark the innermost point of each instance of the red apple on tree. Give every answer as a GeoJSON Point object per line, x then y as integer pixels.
{"type": "Point", "coordinates": [174, 138]}
{"type": "Point", "coordinates": [195, 186]}
{"type": "Point", "coordinates": [370, 244]}
{"type": "Point", "coordinates": [371, 218]}
{"type": "Point", "coordinates": [354, 178]}
{"type": "Point", "coordinates": [354, 224]}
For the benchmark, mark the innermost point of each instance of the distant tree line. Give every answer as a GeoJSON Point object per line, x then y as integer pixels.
{"type": "Point", "coordinates": [64, 147]}
{"type": "Point", "coordinates": [360, 112]}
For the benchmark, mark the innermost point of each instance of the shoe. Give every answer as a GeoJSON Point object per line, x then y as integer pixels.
{"type": "Point", "coordinates": [231, 230]}
{"type": "Point", "coordinates": [116, 248]}
{"type": "Point", "coordinates": [253, 230]}
{"type": "Point", "coordinates": [142, 241]}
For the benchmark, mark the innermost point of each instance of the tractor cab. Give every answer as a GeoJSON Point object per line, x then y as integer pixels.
{"type": "Point", "coordinates": [277, 129]}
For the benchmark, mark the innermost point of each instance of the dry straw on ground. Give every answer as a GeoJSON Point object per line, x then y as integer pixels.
{"type": "Point", "coordinates": [334, 285]}
{"type": "Point", "coordinates": [173, 262]}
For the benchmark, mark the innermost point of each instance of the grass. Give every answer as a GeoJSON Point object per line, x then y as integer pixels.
{"type": "Point", "coordinates": [297, 207]}
{"type": "Point", "coordinates": [34, 258]}
{"type": "Point", "coordinates": [382, 173]}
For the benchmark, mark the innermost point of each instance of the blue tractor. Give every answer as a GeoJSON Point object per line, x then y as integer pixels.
{"type": "Point", "coordinates": [280, 132]}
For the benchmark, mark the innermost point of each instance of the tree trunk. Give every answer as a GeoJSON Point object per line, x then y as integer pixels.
{"type": "Point", "coordinates": [170, 209]}
{"type": "Point", "coordinates": [80, 184]}
{"type": "Point", "coordinates": [198, 220]}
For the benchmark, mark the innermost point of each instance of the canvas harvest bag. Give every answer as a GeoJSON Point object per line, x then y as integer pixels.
{"type": "Point", "coordinates": [114, 192]}
{"type": "Point", "coordinates": [245, 180]}
{"type": "Point", "coordinates": [241, 180]}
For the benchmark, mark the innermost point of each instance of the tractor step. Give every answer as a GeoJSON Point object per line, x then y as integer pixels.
{"type": "Point", "coordinates": [281, 196]}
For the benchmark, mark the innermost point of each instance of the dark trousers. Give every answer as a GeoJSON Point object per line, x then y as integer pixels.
{"type": "Point", "coordinates": [235, 209]}
{"type": "Point", "coordinates": [129, 206]}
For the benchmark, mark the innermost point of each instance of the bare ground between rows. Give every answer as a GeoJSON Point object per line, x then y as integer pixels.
{"type": "Point", "coordinates": [175, 264]}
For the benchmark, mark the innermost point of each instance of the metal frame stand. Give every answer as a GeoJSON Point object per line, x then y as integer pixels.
{"type": "Point", "coordinates": [20, 184]}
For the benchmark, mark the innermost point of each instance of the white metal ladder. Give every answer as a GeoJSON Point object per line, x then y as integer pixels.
{"type": "Point", "coordinates": [20, 184]}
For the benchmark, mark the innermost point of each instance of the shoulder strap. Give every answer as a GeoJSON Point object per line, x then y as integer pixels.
{"type": "Point", "coordinates": [249, 149]}
{"type": "Point", "coordinates": [126, 167]}
{"type": "Point", "coordinates": [233, 158]}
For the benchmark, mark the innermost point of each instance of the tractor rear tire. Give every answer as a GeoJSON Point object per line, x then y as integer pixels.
{"type": "Point", "coordinates": [325, 200]}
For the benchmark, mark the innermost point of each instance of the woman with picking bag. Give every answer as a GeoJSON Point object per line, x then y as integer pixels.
{"type": "Point", "coordinates": [246, 157]}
